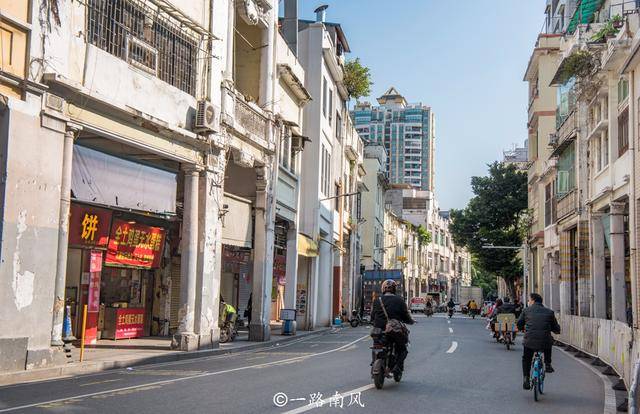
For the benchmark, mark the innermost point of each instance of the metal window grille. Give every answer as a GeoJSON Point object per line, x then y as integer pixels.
{"type": "Point", "coordinates": [147, 38]}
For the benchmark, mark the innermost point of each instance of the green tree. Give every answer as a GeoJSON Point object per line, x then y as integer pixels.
{"type": "Point", "coordinates": [357, 79]}
{"type": "Point", "coordinates": [423, 235]}
{"type": "Point", "coordinates": [494, 216]}
{"type": "Point", "coordinates": [481, 278]}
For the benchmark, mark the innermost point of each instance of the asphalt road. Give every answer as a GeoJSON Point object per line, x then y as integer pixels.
{"type": "Point", "coordinates": [453, 366]}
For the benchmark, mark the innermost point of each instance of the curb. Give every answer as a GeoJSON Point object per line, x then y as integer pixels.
{"type": "Point", "coordinates": [77, 368]}
{"type": "Point", "coordinates": [610, 400]}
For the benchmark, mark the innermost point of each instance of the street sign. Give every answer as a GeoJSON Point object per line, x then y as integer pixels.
{"type": "Point", "coordinates": [288, 314]}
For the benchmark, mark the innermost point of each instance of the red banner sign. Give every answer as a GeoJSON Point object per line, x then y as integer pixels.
{"type": "Point", "coordinates": [89, 226]}
{"type": "Point", "coordinates": [93, 304]}
{"type": "Point", "coordinates": [135, 245]}
{"type": "Point", "coordinates": [129, 323]}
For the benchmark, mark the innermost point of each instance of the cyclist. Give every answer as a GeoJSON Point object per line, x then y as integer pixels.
{"type": "Point", "coordinates": [538, 322]}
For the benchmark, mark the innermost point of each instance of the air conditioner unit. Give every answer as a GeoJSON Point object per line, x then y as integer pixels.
{"type": "Point", "coordinates": [297, 143]}
{"type": "Point", "coordinates": [207, 117]}
{"type": "Point", "coordinates": [553, 140]}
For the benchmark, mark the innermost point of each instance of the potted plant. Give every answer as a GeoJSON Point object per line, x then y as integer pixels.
{"type": "Point", "coordinates": [617, 21]}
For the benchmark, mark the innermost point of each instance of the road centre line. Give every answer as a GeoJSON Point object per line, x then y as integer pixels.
{"type": "Point", "coordinates": [174, 380]}
{"type": "Point", "coordinates": [450, 330]}
{"type": "Point", "coordinates": [454, 346]}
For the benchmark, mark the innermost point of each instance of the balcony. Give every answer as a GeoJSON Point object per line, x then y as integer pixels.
{"type": "Point", "coordinates": [247, 119]}
{"type": "Point", "coordinates": [567, 204]}
{"type": "Point", "coordinates": [566, 133]}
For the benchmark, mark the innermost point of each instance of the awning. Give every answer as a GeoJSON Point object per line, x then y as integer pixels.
{"type": "Point", "coordinates": [584, 14]}
{"type": "Point", "coordinates": [105, 179]}
{"type": "Point", "coordinates": [306, 246]}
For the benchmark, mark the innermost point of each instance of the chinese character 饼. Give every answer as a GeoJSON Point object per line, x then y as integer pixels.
{"type": "Point", "coordinates": [89, 226]}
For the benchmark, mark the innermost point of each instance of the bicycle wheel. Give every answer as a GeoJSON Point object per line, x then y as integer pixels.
{"type": "Point", "coordinates": [534, 385]}
{"type": "Point", "coordinates": [541, 385]}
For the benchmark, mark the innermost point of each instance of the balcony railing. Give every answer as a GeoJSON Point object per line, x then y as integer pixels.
{"type": "Point", "coordinates": [623, 8]}
{"type": "Point", "coordinates": [250, 119]}
{"type": "Point", "coordinates": [567, 204]}
{"type": "Point", "coordinates": [566, 131]}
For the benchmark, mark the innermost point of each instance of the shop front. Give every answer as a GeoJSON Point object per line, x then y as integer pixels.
{"type": "Point", "coordinates": [307, 252]}
{"type": "Point", "coordinates": [123, 233]}
{"type": "Point", "coordinates": [114, 267]}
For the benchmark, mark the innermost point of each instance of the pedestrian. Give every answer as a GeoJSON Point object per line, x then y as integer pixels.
{"type": "Point", "coordinates": [247, 311]}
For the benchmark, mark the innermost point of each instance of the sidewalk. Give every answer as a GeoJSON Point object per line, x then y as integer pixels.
{"type": "Point", "coordinates": [108, 355]}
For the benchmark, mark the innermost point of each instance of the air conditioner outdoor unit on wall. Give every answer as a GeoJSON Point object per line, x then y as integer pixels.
{"type": "Point", "coordinates": [207, 117]}
{"type": "Point", "coordinates": [553, 140]}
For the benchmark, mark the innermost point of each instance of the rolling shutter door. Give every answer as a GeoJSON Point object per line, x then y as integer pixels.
{"type": "Point", "coordinates": [175, 294]}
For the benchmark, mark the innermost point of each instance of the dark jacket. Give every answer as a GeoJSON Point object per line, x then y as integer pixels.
{"type": "Point", "coordinates": [538, 322]}
{"type": "Point", "coordinates": [506, 308]}
{"type": "Point", "coordinates": [396, 308]}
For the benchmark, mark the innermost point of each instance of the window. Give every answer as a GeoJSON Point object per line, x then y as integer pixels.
{"type": "Point", "coordinates": [324, 97]}
{"type": "Point", "coordinates": [338, 199]}
{"type": "Point", "coordinates": [338, 126]}
{"type": "Point", "coordinates": [165, 49]}
{"type": "Point", "coordinates": [14, 36]}
{"type": "Point", "coordinates": [623, 90]}
{"type": "Point", "coordinates": [330, 105]}
{"type": "Point", "coordinates": [604, 152]}
{"type": "Point", "coordinates": [623, 132]}
{"type": "Point", "coordinates": [549, 205]}
{"type": "Point", "coordinates": [566, 171]}
{"type": "Point", "coordinates": [325, 172]}
{"type": "Point", "coordinates": [285, 149]}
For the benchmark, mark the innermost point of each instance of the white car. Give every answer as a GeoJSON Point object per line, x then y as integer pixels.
{"type": "Point", "coordinates": [417, 305]}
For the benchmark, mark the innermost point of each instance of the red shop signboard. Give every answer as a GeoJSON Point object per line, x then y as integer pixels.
{"type": "Point", "coordinates": [88, 226]}
{"type": "Point", "coordinates": [134, 245]}
{"type": "Point", "coordinates": [129, 323]}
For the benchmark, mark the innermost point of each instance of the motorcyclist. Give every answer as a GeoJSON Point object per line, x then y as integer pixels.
{"type": "Point", "coordinates": [396, 308]}
{"type": "Point", "coordinates": [473, 307]}
{"type": "Point", "coordinates": [538, 322]}
{"type": "Point", "coordinates": [519, 307]}
{"type": "Point", "coordinates": [506, 307]}
{"type": "Point", "coordinates": [493, 316]}
{"type": "Point", "coordinates": [451, 305]}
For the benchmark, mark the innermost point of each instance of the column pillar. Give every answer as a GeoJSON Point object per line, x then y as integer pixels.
{"type": "Point", "coordinates": [211, 190]}
{"type": "Point", "coordinates": [292, 269]}
{"type": "Point", "coordinates": [185, 338]}
{"type": "Point", "coordinates": [231, 21]}
{"type": "Point", "coordinates": [554, 275]}
{"type": "Point", "coordinates": [63, 235]}
{"type": "Point", "coordinates": [598, 277]}
{"type": "Point", "coordinates": [267, 64]}
{"type": "Point", "coordinates": [565, 272]}
{"type": "Point", "coordinates": [262, 281]}
{"type": "Point", "coordinates": [618, 288]}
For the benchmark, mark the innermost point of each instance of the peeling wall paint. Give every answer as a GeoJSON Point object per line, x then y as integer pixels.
{"type": "Point", "coordinates": [22, 283]}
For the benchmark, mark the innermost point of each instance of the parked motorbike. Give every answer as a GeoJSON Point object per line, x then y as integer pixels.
{"type": "Point", "coordinates": [383, 360]}
{"type": "Point", "coordinates": [358, 319]}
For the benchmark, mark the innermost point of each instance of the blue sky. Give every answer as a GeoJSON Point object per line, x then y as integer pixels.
{"type": "Point", "coordinates": [464, 58]}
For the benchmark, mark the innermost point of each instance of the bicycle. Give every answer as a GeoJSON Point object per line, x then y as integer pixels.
{"type": "Point", "coordinates": [537, 375]}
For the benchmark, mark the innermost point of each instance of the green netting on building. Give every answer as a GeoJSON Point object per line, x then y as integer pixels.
{"type": "Point", "coordinates": [584, 14]}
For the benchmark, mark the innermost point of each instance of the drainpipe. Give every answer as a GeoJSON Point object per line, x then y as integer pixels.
{"type": "Point", "coordinates": [63, 235]}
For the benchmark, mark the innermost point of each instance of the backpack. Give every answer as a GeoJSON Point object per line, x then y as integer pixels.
{"type": "Point", "coordinates": [394, 328]}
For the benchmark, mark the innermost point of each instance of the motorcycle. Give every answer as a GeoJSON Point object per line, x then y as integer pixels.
{"type": "Point", "coordinates": [450, 313]}
{"type": "Point", "coordinates": [428, 311]}
{"type": "Point", "coordinates": [357, 319]}
{"type": "Point", "coordinates": [383, 360]}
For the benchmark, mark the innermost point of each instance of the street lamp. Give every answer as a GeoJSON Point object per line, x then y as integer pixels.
{"type": "Point", "coordinates": [525, 269]}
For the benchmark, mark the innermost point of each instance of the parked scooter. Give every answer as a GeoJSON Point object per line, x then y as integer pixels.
{"type": "Point", "coordinates": [358, 319]}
